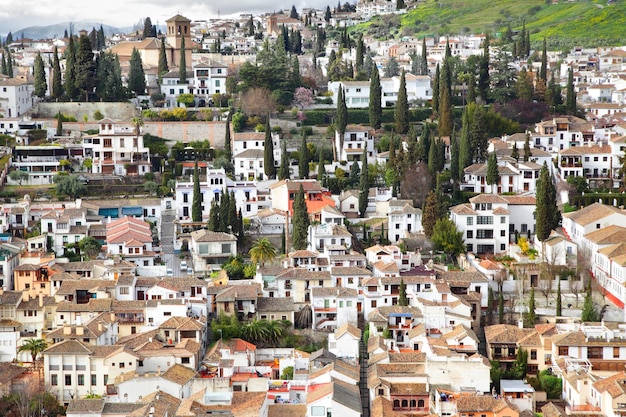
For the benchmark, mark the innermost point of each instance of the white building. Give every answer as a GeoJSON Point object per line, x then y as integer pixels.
{"type": "Point", "coordinates": [404, 219]}
{"type": "Point", "coordinates": [209, 250]}
{"type": "Point", "coordinates": [15, 97]}
{"type": "Point", "coordinates": [350, 146]}
{"type": "Point", "coordinates": [117, 150]}
{"type": "Point", "coordinates": [484, 222]}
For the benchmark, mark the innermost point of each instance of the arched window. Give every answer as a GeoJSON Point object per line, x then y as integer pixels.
{"type": "Point", "coordinates": [412, 403]}
{"type": "Point", "coordinates": [405, 403]}
{"type": "Point", "coordinates": [396, 403]}
{"type": "Point", "coordinates": [420, 403]}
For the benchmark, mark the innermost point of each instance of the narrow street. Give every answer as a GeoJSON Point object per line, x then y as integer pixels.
{"type": "Point", "coordinates": [168, 231]}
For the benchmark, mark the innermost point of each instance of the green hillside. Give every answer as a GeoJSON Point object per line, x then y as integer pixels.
{"type": "Point", "coordinates": [577, 22]}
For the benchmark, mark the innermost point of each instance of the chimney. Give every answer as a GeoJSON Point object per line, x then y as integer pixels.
{"type": "Point", "coordinates": [25, 296]}
{"type": "Point", "coordinates": [520, 323]}
{"type": "Point", "coordinates": [149, 340]}
{"type": "Point", "coordinates": [40, 300]}
{"type": "Point", "coordinates": [67, 329]}
{"type": "Point", "coordinates": [158, 371]}
{"type": "Point", "coordinates": [80, 330]}
{"type": "Point", "coordinates": [112, 317]}
{"type": "Point", "coordinates": [100, 327]}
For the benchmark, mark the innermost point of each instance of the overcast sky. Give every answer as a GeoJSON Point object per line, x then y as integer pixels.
{"type": "Point", "coordinates": [15, 15]}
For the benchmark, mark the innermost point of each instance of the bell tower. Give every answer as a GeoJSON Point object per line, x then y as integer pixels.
{"type": "Point", "coordinates": [178, 27]}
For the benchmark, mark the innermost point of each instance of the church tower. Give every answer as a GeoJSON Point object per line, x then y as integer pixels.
{"type": "Point", "coordinates": [178, 27]}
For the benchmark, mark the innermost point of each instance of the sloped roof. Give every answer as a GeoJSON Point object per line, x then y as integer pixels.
{"type": "Point", "coordinates": [127, 229]}
{"type": "Point", "coordinates": [592, 213]}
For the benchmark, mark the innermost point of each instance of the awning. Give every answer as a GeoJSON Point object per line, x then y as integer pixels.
{"type": "Point", "coordinates": [132, 211]}
{"type": "Point", "coordinates": [113, 213]}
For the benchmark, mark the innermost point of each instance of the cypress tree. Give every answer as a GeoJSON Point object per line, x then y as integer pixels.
{"type": "Point", "coordinates": [483, 72]}
{"type": "Point", "coordinates": [214, 219]}
{"type": "Point", "coordinates": [527, 151]}
{"type": "Point", "coordinates": [423, 147]}
{"type": "Point", "coordinates": [471, 89]}
{"type": "Point", "coordinates": [41, 86]}
{"type": "Point", "coordinates": [432, 211]}
{"type": "Point", "coordinates": [71, 90]}
{"type": "Point", "coordinates": [364, 185]}
{"type": "Point", "coordinates": [490, 301]}
{"type": "Point", "coordinates": [341, 115]}
{"type": "Point", "coordinates": [402, 300]}
{"type": "Point", "coordinates": [375, 103]}
{"type": "Point", "coordinates": [589, 313]}
{"type": "Point", "coordinates": [402, 108]}
{"type": "Point", "coordinates": [3, 70]}
{"type": "Point", "coordinates": [303, 162]}
{"type": "Point", "coordinates": [559, 301]}
{"type": "Point", "coordinates": [321, 168]}
{"type": "Point", "coordinates": [136, 75]}
{"type": "Point", "coordinates": [9, 63]}
{"type": "Point", "coordinates": [268, 152]}
{"type": "Point", "coordinates": [147, 27]}
{"type": "Point", "coordinates": [241, 235]}
{"type": "Point", "coordinates": [228, 150]}
{"type": "Point", "coordinates": [445, 101]}
{"type": "Point", "coordinates": [493, 176]}
{"type": "Point", "coordinates": [543, 71]}
{"type": "Point", "coordinates": [300, 221]}
{"type": "Point", "coordinates": [515, 152]}
{"type": "Point", "coordinates": [182, 67]}
{"type": "Point", "coordinates": [465, 146]}
{"type": "Point", "coordinates": [423, 70]}
{"type": "Point", "coordinates": [355, 174]}
{"type": "Point", "coordinates": [100, 39]}
{"type": "Point", "coordinates": [162, 67]}
{"type": "Point", "coordinates": [360, 52]}
{"type": "Point", "coordinates": [283, 171]}
{"type": "Point", "coordinates": [57, 87]}
{"type": "Point", "coordinates": [454, 157]}
{"type": "Point", "coordinates": [232, 213]}
{"type": "Point", "coordinates": [196, 203]}
{"type": "Point", "coordinates": [531, 315]}
{"type": "Point", "coordinates": [59, 124]}
{"type": "Point", "coordinates": [501, 308]}
{"type": "Point", "coordinates": [570, 99]}
{"type": "Point", "coordinates": [435, 100]}
{"type": "Point", "coordinates": [85, 68]}
{"type": "Point", "coordinates": [547, 214]}
{"type": "Point", "coordinates": [223, 212]}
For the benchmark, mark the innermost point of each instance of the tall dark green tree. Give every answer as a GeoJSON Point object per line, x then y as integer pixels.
{"type": "Point", "coordinates": [543, 70]}
{"type": "Point", "coordinates": [148, 28]}
{"type": "Point", "coordinates": [423, 67]}
{"type": "Point", "coordinates": [501, 307]}
{"type": "Point", "coordinates": [136, 75]}
{"type": "Point", "coordinates": [530, 317]}
{"type": "Point", "coordinates": [162, 68]}
{"type": "Point", "coordinates": [570, 98]}
{"type": "Point", "coordinates": [303, 162]}
{"type": "Point", "coordinates": [57, 87]}
{"type": "Point", "coordinates": [214, 220]}
{"type": "Point", "coordinates": [433, 210]}
{"type": "Point", "coordinates": [483, 72]}
{"type": "Point", "coordinates": [268, 152]}
{"type": "Point", "coordinates": [547, 214]}
{"type": "Point", "coordinates": [402, 300]}
{"type": "Point", "coordinates": [321, 167]}
{"type": "Point", "coordinates": [589, 313]}
{"type": "Point", "coordinates": [41, 86]}
{"type": "Point", "coordinates": [3, 70]}
{"type": "Point", "coordinates": [435, 100]}
{"type": "Point", "coordinates": [109, 77]}
{"type": "Point", "coordinates": [360, 54]}
{"type": "Point", "coordinates": [559, 301]}
{"type": "Point", "coordinates": [364, 184]}
{"type": "Point", "coordinates": [85, 68]}
{"type": "Point", "coordinates": [182, 63]}
{"type": "Point", "coordinates": [341, 115]}
{"type": "Point", "coordinates": [527, 151]}
{"type": "Point", "coordinates": [283, 170]}
{"type": "Point", "coordinates": [515, 152]}
{"type": "Point", "coordinates": [375, 103]}
{"type": "Point", "coordinates": [493, 176]}
{"type": "Point", "coordinates": [454, 157]}
{"type": "Point", "coordinates": [9, 70]}
{"type": "Point", "coordinates": [300, 221]}
{"type": "Point", "coordinates": [401, 114]}
{"type": "Point", "coordinates": [71, 91]}
{"type": "Point", "coordinates": [445, 101]}
{"type": "Point", "coordinates": [196, 202]}
{"type": "Point", "coordinates": [100, 39]}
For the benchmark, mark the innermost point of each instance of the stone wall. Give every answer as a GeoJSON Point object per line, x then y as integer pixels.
{"type": "Point", "coordinates": [115, 111]}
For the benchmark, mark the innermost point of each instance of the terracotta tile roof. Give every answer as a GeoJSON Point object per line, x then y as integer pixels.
{"type": "Point", "coordinates": [407, 357]}
{"type": "Point", "coordinates": [286, 410]}
{"type": "Point", "coordinates": [86, 406]}
{"type": "Point", "coordinates": [127, 229]}
{"type": "Point", "coordinates": [69, 347]}
{"type": "Point", "coordinates": [615, 385]}
{"type": "Point", "coordinates": [275, 304]}
{"type": "Point", "coordinates": [348, 328]}
{"type": "Point", "coordinates": [318, 391]}
{"type": "Point", "coordinates": [382, 407]}
{"type": "Point", "coordinates": [506, 333]}
{"type": "Point", "coordinates": [586, 150]}
{"type": "Point", "coordinates": [607, 235]}
{"type": "Point", "coordinates": [9, 371]}
{"type": "Point", "coordinates": [239, 345]}
{"type": "Point", "coordinates": [209, 236]}
{"type": "Point", "coordinates": [479, 403]}
{"type": "Point", "coordinates": [302, 273]}
{"type": "Point", "coordinates": [182, 323]}
{"type": "Point", "coordinates": [334, 291]}
{"type": "Point", "coordinates": [294, 185]}
{"type": "Point", "coordinates": [389, 267]}
{"type": "Point", "coordinates": [347, 395]}
{"type": "Point", "coordinates": [239, 292]}
{"type": "Point", "coordinates": [179, 374]}
{"type": "Point", "coordinates": [463, 209]}
{"type": "Point", "coordinates": [457, 277]}
{"type": "Point", "coordinates": [94, 305]}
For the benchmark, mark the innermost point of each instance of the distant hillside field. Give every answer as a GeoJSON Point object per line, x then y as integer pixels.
{"type": "Point", "coordinates": [566, 23]}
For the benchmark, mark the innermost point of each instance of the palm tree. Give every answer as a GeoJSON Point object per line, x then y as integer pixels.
{"type": "Point", "coordinates": [255, 331]}
{"type": "Point", "coordinates": [34, 346]}
{"type": "Point", "coordinates": [137, 124]}
{"type": "Point", "coordinates": [274, 332]}
{"type": "Point", "coordinates": [262, 251]}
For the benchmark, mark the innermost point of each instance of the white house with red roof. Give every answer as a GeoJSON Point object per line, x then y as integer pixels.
{"type": "Point", "coordinates": [131, 239]}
